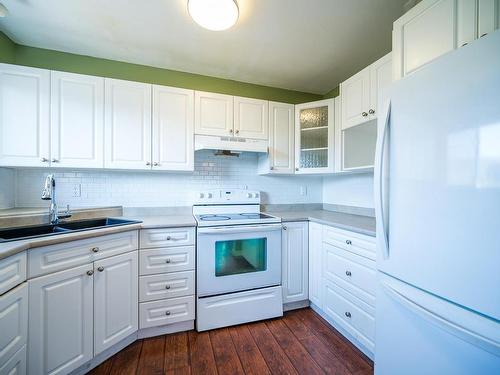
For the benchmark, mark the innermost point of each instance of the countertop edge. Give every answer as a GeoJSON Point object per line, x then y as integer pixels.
{"type": "Point", "coordinates": [350, 228]}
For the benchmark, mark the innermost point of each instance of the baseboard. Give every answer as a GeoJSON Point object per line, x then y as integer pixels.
{"type": "Point", "coordinates": [295, 305]}
{"type": "Point", "coordinates": [165, 330]}
{"type": "Point", "coordinates": [344, 333]}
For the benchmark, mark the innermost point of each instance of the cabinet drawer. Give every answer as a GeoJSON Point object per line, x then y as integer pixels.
{"type": "Point", "coordinates": [52, 258]}
{"type": "Point", "coordinates": [167, 311]}
{"type": "Point", "coordinates": [346, 310]}
{"type": "Point", "coordinates": [167, 237]}
{"type": "Point", "coordinates": [12, 271]}
{"type": "Point", "coordinates": [13, 321]}
{"type": "Point", "coordinates": [15, 365]}
{"type": "Point", "coordinates": [352, 272]}
{"type": "Point", "coordinates": [166, 260]}
{"type": "Point", "coordinates": [167, 285]}
{"type": "Point", "coordinates": [350, 241]}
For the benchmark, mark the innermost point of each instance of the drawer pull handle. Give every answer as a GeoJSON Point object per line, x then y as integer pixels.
{"type": "Point", "coordinates": [169, 238]}
{"type": "Point", "coordinates": [100, 268]}
{"type": "Point", "coordinates": [348, 314]}
{"type": "Point", "coordinates": [90, 272]}
{"type": "Point", "coordinates": [167, 313]}
{"type": "Point", "coordinates": [167, 286]}
{"type": "Point", "coordinates": [95, 249]}
{"type": "Point", "coordinates": [348, 273]}
{"type": "Point", "coordinates": [349, 242]}
{"type": "Point", "coordinates": [168, 260]}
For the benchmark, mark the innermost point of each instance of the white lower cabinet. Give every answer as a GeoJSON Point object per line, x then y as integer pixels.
{"type": "Point", "coordinates": [294, 270]}
{"type": "Point", "coordinates": [16, 365]}
{"type": "Point", "coordinates": [315, 250]}
{"type": "Point", "coordinates": [61, 321]}
{"type": "Point", "coordinates": [115, 300]}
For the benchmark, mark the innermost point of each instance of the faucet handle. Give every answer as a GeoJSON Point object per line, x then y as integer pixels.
{"type": "Point", "coordinates": [67, 209]}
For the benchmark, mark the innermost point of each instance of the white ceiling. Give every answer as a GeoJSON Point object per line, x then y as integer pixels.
{"type": "Point", "coordinates": [306, 45]}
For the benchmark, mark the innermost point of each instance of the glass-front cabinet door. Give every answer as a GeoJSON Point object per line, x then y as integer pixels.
{"type": "Point", "coordinates": [314, 137]}
{"type": "Point", "coordinates": [358, 146]}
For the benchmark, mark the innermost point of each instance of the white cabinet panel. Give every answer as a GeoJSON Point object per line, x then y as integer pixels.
{"type": "Point", "coordinates": [115, 300]}
{"type": "Point", "coordinates": [77, 120]}
{"type": "Point", "coordinates": [489, 16]}
{"type": "Point", "coordinates": [171, 259]}
{"type": "Point", "coordinates": [15, 365]}
{"type": "Point", "coordinates": [166, 285]}
{"type": "Point", "coordinates": [60, 321]}
{"type": "Point", "coordinates": [12, 271]}
{"type": "Point", "coordinates": [315, 251]}
{"type": "Point", "coordinates": [295, 262]}
{"type": "Point", "coordinates": [24, 116]}
{"type": "Point", "coordinates": [355, 93]}
{"type": "Point", "coordinates": [467, 20]}
{"type": "Point", "coordinates": [167, 237]}
{"type": "Point", "coordinates": [251, 118]}
{"type": "Point", "coordinates": [127, 124]}
{"type": "Point", "coordinates": [13, 322]}
{"type": "Point", "coordinates": [213, 114]}
{"type": "Point", "coordinates": [380, 82]}
{"type": "Point", "coordinates": [167, 311]}
{"type": "Point", "coordinates": [173, 128]}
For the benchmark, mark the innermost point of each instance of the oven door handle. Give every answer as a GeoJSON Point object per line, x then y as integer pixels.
{"type": "Point", "coordinates": [240, 229]}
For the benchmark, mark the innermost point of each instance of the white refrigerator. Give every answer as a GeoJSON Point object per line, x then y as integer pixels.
{"type": "Point", "coordinates": [437, 203]}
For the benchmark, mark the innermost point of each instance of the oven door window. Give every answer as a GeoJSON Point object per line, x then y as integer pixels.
{"type": "Point", "coordinates": [234, 257]}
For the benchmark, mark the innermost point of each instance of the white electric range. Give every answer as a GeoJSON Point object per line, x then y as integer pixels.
{"type": "Point", "coordinates": [238, 259]}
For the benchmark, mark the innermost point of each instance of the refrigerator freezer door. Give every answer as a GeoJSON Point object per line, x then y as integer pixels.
{"type": "Point", "coordinates": [443, 160]}
{"type": "Point", "coordinates": [418, 333]}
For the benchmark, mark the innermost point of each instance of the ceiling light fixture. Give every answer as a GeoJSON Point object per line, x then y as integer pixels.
{"type": "Point", "coordinates": [3, 10]}
{"type": "Point", "coordinates": [214, 15]}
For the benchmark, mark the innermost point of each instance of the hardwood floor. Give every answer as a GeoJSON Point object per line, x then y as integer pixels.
{"type": "Point", "coordinates": [299, 343]}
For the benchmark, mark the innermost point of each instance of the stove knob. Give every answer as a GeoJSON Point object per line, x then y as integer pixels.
{"type": "Point", "coordinates": [209, 195]}
{"type": "Point", "coordinates": [256, 195]}
{"type": "Point", "coordinates": [249, 195]}
{"type": "Point", "coordinates": [202, 195]}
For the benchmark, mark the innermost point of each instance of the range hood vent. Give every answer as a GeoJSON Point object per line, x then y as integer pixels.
{"type": "Point", "coordinates": [237, 144]}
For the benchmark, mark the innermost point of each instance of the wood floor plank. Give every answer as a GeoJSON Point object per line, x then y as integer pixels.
{"type": "Point", "coordinates": [125, 362]}
{"type": "Point", "coordinates": [179, 371]}
{"type": "Point", "coordinates": [337, 345]}
{"type": "Point", "coordinates": [276, 359]}
{"type": "Point", "coordinates": [326, 359]}
{"type": "Point", "coordinates": [104, 368]}
{"type": "Point", "coordinates": [201, 355]}
{"type": "Point", "coordinates": [176, 351]}
{"type": "Point", "coordinates": [300, 358]}
{"type": "Point", "coordinates": [298, 328]}
{"type": "Point", "coordinates": [225, 354]}
{"type": "Point", "coordinates": [250, 356]}
{"type": "Point", "coordinates": [152, 356]}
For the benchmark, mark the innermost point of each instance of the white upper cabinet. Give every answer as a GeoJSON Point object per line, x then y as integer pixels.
{"type": "Point", "coordinates": [213, 114]}
{"type": "Point", "coordinates": [173, 128]}
{"type": "Point", "coordinates": [127, 124]}
{"type": "Point", "coordinates": [24, 116]}
{"type": "Point", "coordinates": [77, 120]}
{"type": "Point", "coordinates": [355, 94]}
{"type": "Point", "coordinates": [380, 82]}
{"type": "Point", "coordinates": [116, 297]}
{"type": "Point", "coordinates": [435, 27]}
{"type": "Point", "coordinates": [314, 137]}
{"type": "Point", "coordinates": [251, 118]}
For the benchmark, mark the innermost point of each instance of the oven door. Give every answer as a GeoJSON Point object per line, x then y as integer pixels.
{"type": "Point", "coordinates": [237, 258]}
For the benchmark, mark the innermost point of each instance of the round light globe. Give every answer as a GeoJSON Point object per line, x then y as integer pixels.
{"type": "Point", "coordinates": [214, 15]}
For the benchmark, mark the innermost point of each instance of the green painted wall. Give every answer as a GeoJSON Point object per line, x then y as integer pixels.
{"type": "Point", "coordinates": [68, 62]}
{"type": "Point", "coordinates": [7, 49]}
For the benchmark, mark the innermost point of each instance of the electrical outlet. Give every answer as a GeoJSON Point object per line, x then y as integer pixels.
{"type": "Point", "coordinates": [303, 190]}
{"type": "Point", "coordinates": [76, 191]}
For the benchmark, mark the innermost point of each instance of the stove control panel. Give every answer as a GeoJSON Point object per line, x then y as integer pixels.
{"type": "Point", "coordinates": [228, 196]}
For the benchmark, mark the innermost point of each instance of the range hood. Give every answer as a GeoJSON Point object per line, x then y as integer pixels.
{"type": "Point", "coordinates": [238, 144]}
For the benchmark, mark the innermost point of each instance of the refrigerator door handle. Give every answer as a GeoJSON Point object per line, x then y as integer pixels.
{"type": "Point", "coordinates": [380, 176]}
{"type": "Point", "coordinates": [465, 324]}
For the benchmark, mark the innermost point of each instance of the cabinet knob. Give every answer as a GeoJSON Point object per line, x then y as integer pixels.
{"type": "Point", "coordinates": [156, 164]}
{"type": "Point", "coordinates": [148, 163]}
{"type": "Point", "coordinates": [271, 168]}
{"type": "Point", "coordinates": [90, 272]}
{"type": "Point", "coordinates": [230, 131]}
{"type": "Point", "coordinates": [100, 268]}
{"type": "Point", "coordinates": [168, 260]}
{"type": "Point", "coordinates": [284, 227]}
{"type": "Point", "coordinates": [349, 242]}
{"type": "Point", "coordinates": [348, 273]}
{"type": "Point", "coordinates": [297, 169]}
{"type": "Point", "coordinates": [237, 131]}
{"type": "Point", "coordinates": [464, 44]}
{"type": "Point", "coordinates": [483, 35]}
{"type": "Point", "coordinates": [167, 313]}
{"type": "Point", "coordinates": [348, 314]}
{"type": "Point", "coordinates": [169, 238]}
{"type": "Point", "coordinates": [54, 160]}
{"type": "Point", "coordinates": [167, 286]}
{"type": "Point", "coordinates": [44, 160]}
{"type": "Point", "coordinates": [364, 114]}
{"type": "Point", "coordinates": [371, 111]}
{"type": "Point", "coordinates": [95, 249]}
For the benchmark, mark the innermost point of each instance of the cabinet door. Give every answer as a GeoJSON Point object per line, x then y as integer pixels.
{"type": "Point", "coordinates": [355, 93]}
{"type": "Point", "coordinates": [251, 118]}
{"type": "Point", "coordinates": [358, 146]}
{"type": "Point", "coordinates": [380, 81]}
{"type": "Point", "coordinates": [127, 124]}
{"type": "Point", "coordinates": [15, 365]}
{"type": "Point", "coordinates": [24, 116]}
{"type": "Point", "coordinates": [173, 136]}
{"type": "Point", "coordinates": [77, 120]}
{"type": "Point", "coordinates": [115, 299]}
{"type": "Point", "coordinates": [60, 321]}
{"type": "Point", "coordinates": [295, 262]}
{"type": "Point", "coordinates": [489, 17]}
{"type": "Point", "coordinates": [315, 249]}
{"type": "Point", "coordinates": [424, 33]}
{"type": "Point", "coordinates": [13, 321]}
{"type": "Point", "coordinates": [213, 114]}
{"type": "Point", "coordinates": [281, 137]}
{"type": "Point", "coordinates": [467, 19]}
{"type": "Point", "coordinates": [314, 137]}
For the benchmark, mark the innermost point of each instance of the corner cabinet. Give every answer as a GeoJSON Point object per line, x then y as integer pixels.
{"type": "Point", "coordinates": [314, 137]}
{"type": "Point", "coordinates": [294, 255]}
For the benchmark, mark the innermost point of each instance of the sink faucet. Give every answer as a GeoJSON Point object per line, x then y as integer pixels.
{"type": "Point", "coordinates": [49, 193]}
